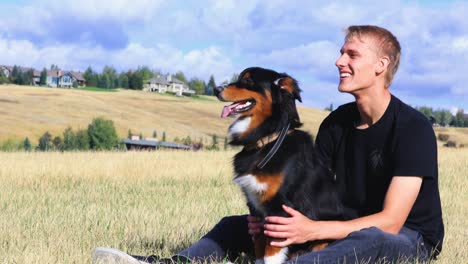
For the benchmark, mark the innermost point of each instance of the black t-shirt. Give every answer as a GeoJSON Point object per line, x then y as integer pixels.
{"type": "Point", "coordinates": [401, 143]}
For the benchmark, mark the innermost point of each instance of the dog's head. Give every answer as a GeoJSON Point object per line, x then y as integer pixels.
{"type": "Point", "coordinates": [263, 102]}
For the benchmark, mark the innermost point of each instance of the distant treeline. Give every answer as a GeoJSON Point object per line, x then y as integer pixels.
{"type": "Point", "coordinates": [100, 135]}
{"type": "Point", "coordinates": [440, 117]}
{"type": "Point", "coordinates": [444, 117]}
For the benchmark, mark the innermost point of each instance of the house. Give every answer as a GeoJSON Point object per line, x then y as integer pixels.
{"type": "Point", "coordinates": [7, 71]}
{"type": "Point", "coordinates": [146, 144]}
{"type": "Point", "coordinates": [59, 78]}
{"type": "Point", "coordinates": [167, 84]}
{"type": "Point", "coordinates": [55, 78]}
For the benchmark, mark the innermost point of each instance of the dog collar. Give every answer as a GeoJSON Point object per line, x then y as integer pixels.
{"type": "Point", "coordinates": [279, 140]}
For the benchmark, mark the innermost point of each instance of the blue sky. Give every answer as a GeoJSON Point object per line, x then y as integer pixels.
{"type": "Point", "coordinates": [204, 37]}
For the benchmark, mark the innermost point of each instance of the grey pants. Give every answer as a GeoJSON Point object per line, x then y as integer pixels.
{"type": "Point", "coordinates": [229, 238]}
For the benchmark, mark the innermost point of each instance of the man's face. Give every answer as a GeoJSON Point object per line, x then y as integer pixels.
{"type": "Point", "coordinates": [357, 65]}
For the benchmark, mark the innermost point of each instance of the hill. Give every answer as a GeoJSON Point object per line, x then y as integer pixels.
{"type": "Point", "coordinates": [31, 111]}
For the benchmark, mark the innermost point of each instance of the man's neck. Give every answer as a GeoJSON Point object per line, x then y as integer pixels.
{"type": "Point", "coordinates": [372, 107]}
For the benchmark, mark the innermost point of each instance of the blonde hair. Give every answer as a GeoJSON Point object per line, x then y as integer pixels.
{"type": "Point", "coordinates": [388, 45]}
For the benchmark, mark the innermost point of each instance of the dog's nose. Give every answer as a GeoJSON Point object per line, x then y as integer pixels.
{"type": "Point", "coordinates": [218, 90]}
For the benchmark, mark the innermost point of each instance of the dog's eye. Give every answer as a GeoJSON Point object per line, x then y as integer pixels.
{"type": "Point", "coordinates": [247, 81]}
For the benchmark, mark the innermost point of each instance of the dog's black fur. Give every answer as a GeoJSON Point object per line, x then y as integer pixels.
{"type": "Point", "coordinates": [306, 185]}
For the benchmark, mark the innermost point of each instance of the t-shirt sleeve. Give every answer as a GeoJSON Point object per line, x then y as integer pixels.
{"type": "Point", "coordinates": [324, 142]}
{"type": "Point", "coordinates": [415, 150]}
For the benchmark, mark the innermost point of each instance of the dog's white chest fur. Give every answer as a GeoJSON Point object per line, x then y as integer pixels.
{"type": "Point", "coordinates": [239, 126]}
{"type": "Point", "coordinates": [252, 188]}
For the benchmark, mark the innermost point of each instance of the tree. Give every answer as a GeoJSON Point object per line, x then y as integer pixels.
{"type": "Point", "coordinates": [135, 80]}
{"type": "Point", "coordinates": [181, 76]}
{"type": "Point", "coordinates": [27, 144]}
{"type": "Point", "coordinates": [427, 111]}
{"type": "Point", "coordinates": [155, 134]}
{"type": "Point", "coordinates": [123, 81]}
{"type": "Point", "coordinates": [3, 78]}
{"type": "Point", "coordinates": [197, 85]}
{"type": "Point", "coordinates": [15, 73]}
{"type": "Point", "coordinates": [111, 74]}
{"type": "Point", "coordinates": [234, 78]}
{"type": "Point", "coordinates": [44, 142]}
{"type": "Point", "coordinates": [103, 81]}
{"type": "Point", "coordinates": [91, 77]}
{"type": "Point", "coordinates": [164, 136]}
{"type": "Point", "coordinates": [43, 78]}
{"type": "Point", "coordinates": [145, 73]}
{"type": "Point", "coordinates": [102, 134]}
{"type": "Point", "coordinates": [82, 139]}
{"type": "Point", "coordinates": [211, 86]}
{"type": "Point", "coordinates": [69, 140]}
{"type": "Point", "coordinates": [57, 141]}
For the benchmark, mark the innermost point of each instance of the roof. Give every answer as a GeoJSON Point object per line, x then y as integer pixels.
{"type": "Point", "coordinates": [78, 75]}
{"type": "Point", "coordinates": [159, 80]}
{"type": "Point", "coordinates": [151, 143]}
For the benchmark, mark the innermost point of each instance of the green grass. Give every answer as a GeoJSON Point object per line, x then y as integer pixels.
{"type": "Point", "coordinates": [97, 89]}
{"type": "Point", "coordinates": [57, 207]}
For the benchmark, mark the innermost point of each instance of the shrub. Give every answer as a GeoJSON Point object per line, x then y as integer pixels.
{"type": "Point", "coordinates": [443, 137]}
{"type": "Point", "coordinates": [102, 134]}
{"type": "Point", "coordinates": [450, 144]}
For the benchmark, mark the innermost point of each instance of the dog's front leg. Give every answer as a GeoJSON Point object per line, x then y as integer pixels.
{"type": "Point", "coordinates": [274, 255]}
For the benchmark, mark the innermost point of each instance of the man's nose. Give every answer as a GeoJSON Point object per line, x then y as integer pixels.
{"type": "Point", "coordinates": [339, 63]}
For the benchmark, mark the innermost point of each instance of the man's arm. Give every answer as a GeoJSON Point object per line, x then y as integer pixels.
{"type": "Point", "coordinates": [399, 200]}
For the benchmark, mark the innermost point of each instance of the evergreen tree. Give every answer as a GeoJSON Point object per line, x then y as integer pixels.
{"type": "Point", "coordinates": [91, 77]}
{"type": "Point", "coordinates": [129, 136]}
{"type": "Point", "coordinates": [15, 73]}
{"type": "Point", "coordinates": [44, 142]}
{"type": "Point", "coordinates": [155, 134]}
{"type": "Point", "coordinates": [43, 78]}
{"type": "Point", "coordinates": [27, 144]}
{"type": "Point", "coordinates": [211, 86]}
{"type": "Point", "coordinates": [234, 78]}
{"type": "Point", "coordinates": [123, 81]}
{"type": "Point", "coordinates": [164, 136]}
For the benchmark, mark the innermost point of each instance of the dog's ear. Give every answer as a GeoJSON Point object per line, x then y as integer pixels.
{"type": "Point", "coordinates": [289, 85]}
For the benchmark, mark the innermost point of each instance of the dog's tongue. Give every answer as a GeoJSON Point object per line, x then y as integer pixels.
{"type": "Point", "coordinates": [229, 109]}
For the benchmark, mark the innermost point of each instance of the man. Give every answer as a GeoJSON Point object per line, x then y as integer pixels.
{"type": "Point", "coordinates": [384, 156]}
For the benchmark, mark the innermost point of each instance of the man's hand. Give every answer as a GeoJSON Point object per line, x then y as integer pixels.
{"type": "Point", "coordinates": [296, 229]}
{"type": "Point", "coordinates": [255, 226]}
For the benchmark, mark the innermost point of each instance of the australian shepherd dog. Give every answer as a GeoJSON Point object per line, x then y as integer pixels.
{"type": "Point", "coordinates": [277, 164]}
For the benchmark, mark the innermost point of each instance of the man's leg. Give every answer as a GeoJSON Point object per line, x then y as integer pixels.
{"type": "Point", "coordinates": [368, 246]}
{"type": "Point", "coordinates": [226, 240]}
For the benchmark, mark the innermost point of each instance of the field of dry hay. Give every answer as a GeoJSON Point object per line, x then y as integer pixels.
{"type": "Point", "coordinates": [30, 111]}
{"type": "Point", "coordinates": [57, 207]}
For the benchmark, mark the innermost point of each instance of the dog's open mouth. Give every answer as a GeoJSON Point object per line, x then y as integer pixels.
{"type": "Point", "coordinates": [237, 107]}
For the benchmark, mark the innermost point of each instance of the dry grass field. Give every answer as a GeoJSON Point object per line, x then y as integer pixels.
{"type": "Point", "coordinates": [57, 207]}
{"type": "Point", "coordinates": [30, 111]}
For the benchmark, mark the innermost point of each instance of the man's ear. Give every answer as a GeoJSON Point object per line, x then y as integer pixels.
{"type": "Point", "coordinates": [382, 64]}
{"type": "Point", "coordinates": [289, 85]}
